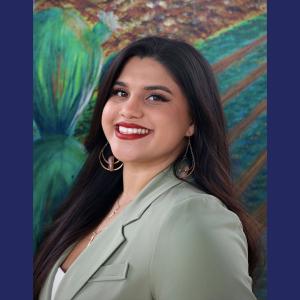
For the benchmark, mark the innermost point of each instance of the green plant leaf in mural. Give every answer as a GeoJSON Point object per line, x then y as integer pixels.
{"type": "Point", "coordinates": [57, 161]}
{"type": "Point", "coordinates": [66, 66]}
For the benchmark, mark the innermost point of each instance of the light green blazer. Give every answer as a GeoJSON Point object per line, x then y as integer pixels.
{"type": "Point", "coordinates": [173, 242]}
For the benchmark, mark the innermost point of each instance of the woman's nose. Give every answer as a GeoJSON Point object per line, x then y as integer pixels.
{"type": "Point", "coordinates": [132, 108]}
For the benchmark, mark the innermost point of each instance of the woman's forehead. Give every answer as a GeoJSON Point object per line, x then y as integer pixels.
{"type": "Point", "coordinates": [146, 71]}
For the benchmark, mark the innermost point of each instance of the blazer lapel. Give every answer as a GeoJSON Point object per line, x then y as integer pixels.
{"type": "Point", "coordinates": [160, 184]}
{"type": "Point", "coordinates": [111, 238]}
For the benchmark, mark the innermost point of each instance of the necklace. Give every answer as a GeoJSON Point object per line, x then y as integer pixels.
{"type": "Point", "coordinates": [98, 230]}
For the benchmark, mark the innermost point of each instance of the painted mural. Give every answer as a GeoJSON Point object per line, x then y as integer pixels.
{"type": "Point", "coordinates": [74, 39]}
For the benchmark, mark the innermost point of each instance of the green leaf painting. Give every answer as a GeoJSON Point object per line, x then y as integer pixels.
{"type": "Point", "coordinates": [67, 63]}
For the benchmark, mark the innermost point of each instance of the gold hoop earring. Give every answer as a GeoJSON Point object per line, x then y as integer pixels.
{"type": "Point", "coordinates": [110, 161]}
{"type": "Point", "coordinates": [185, 169]}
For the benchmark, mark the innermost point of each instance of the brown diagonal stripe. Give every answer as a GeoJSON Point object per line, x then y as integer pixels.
{"type": "Point", "coordinates": [239, 128]}
{"type": "Point", "coordinates": [248, 176]}
{"type": "Point", "coordinates": [261, 214]}
{"type": "Point", "coordinates": [244, 83]}
{"type": "Point", "coordinates": [227, 61]}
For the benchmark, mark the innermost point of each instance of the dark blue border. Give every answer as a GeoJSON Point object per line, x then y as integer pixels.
{"type": "Point", "coordinates": [16, 149]}
{"type": "Point", "coordinates": [283, 150]}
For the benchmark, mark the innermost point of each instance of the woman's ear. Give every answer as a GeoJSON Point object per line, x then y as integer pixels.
{"type": "Point", "coordinates": [190, 130]}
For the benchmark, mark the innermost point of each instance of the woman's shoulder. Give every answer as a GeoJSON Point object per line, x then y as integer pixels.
{"type": "Point", "coordinates": [188, 198]}
{"type": "Point", "coordinates": [201, 237]}
{"type": "Point", "coordinates": [186, 208]}
{"type": "Point", "coordinates": [189, 212]}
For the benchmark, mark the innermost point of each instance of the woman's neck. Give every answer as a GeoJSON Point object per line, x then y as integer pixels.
{"type": "Point", "coordinates": [135, 178]}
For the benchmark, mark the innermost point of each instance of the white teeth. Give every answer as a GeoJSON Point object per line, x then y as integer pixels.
{"type": "Point", "coordinates": [126, 130]}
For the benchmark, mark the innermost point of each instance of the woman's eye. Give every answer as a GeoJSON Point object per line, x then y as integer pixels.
{"type": "Point", "coordinates": [119, 93]}
{"type": "Point", "coordinates": [156, 98]}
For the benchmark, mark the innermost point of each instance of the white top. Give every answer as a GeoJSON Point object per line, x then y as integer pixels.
{"type": "Point", "coordinates": [57, 279]}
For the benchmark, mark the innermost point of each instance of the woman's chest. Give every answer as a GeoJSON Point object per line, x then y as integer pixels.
{"type": "Point", "coordinates": [124, 274]}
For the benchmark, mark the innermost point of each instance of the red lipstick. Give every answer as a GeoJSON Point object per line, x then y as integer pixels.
{"type": "Point", "coordinates": [130, 131]}
{"type": "Point", "coordinates": [130, 125]}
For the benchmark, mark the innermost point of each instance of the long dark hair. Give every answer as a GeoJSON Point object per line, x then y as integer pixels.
{"type": "Point", "coordinates": [95, 190]}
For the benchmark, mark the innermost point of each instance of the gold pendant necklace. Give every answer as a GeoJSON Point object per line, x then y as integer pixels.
{"type": "Point", "coordinates": [98, 230]}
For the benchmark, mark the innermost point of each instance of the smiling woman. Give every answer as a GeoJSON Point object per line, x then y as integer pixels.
{"type": "Point", "coordinates": [146, 98]}
{"type": "Point", "coordinates": [153, 213]}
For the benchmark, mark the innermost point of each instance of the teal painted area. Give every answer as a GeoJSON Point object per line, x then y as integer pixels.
{"type": "Point", "coordinates": [228, 42]}
{"type": "Point", "coordinates": [248, 146]}
{"type": "Point", "coordinates": [36, 132]}
{"type": "Point", "coordinates": [241, 106]}
{"type": "Point", "coordinates": [242, 68]}
{"type": "Point", "coordinates": [256, 192]}
{"type": "Point", "coordinates": [83, 123]}
{"type": "Point", "coordinates": [57, 161]}
{"type": "Point", "coordinates": [67, 64]}
{"type": "Point", "coordinates": [66, 68]}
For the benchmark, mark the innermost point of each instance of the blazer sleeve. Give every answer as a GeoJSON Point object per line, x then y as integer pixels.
{"type": "Point", "coordinates": [200, 254]}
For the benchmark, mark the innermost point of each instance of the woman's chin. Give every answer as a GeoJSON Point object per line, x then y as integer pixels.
{"type": "Point", "coordinates": [129, 157]}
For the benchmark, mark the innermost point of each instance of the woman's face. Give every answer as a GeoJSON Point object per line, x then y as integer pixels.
{"type": "Point", "coordinates": [146, 118]}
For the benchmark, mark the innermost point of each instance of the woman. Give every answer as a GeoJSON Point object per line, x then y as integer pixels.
{"type": "Point", "coordinates": [152, 214]}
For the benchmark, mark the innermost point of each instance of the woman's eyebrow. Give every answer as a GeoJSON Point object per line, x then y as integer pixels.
{"type": "Point", "coordinates": [148, 88]}
{"type": "Point", "coordinates": [158, 87]}
{"type": "Point", "coordinates": [121, 83]}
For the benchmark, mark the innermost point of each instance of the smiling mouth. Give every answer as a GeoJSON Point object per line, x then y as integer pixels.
{"type": "Point", "coordinates": [126, 130]}
{"type": "Point", "coordinates": [131, 132]}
